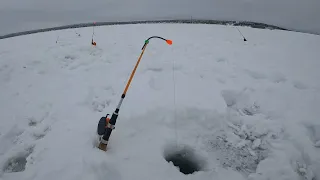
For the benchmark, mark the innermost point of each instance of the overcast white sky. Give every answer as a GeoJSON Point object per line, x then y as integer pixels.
{"type": "Point", "coordinates": [20, 15]}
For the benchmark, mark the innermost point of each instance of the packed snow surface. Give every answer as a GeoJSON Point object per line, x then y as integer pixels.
{"type": "Point", "coordinates": [241, 110]}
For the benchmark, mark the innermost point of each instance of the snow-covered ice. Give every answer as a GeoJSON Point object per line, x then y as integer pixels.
{"type": "Point", "coordinates": [243, 110]}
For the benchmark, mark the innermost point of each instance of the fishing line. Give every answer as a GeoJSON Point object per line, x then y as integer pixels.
{"type": "Point", "coordinates": [174, 102]}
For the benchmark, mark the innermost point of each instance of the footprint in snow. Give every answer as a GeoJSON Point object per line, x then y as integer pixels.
{"type": "Point", "coordinates": [221, 60]}
{"type": "Point", "coordinates": [9, 139]}
{"type": "Point", "coordinates": [39, 125]}
{"type": "Point", "coordinates": [18, 135]}
{"type": "Point", "coordinates": [97, 99]}
{"type": "Point", "coordinates": [68, 60]}
{"type": "Point", "coordinates": [299, 85]}
{"type": "Point", "coordinates": [256, 75]}
{"type": "Point", "coordinates": [278, 78]}
{"type": "Point", "coordinates": [221, 80]}
{"type": "Point", "coordinates": [314, 134]}
{"type": "Point", "coordinates": [76, 66]}
{"type": "Point", "coordinates": [32, 121]}
{"type": "Point", "coordinates": [98, 105]}
{"type": "Point", "coordinates": [154, 69]}
{"type": "Point", "coordinates": [71, 57]}
{"type": "Point", "coordinates": [240, 102]}
{"type": "Point", "coordinates": [17, 163]}
{"type": "Point", "coordinates": [41, 133]}
{"type": "Point", "coordinates": [93, 51]}
{"type": "Point", "coordinates": [109, 89]}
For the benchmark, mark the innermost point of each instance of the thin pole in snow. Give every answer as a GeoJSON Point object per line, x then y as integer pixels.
{"type": "Point", "coordinates": [93, 42]}
{"type": "Point", "coordinates": [77, 32]}
{"type": "Point", "coordinates": [244, 39]}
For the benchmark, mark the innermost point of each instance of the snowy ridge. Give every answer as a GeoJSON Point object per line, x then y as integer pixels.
{"type": "Point", "coordinates": [245, 110]}
{"type": "Point", "coordinates": [181, 21]}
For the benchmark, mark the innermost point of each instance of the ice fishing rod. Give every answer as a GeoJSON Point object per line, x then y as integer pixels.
{"type": "Point", "coordinates": [244, 39]}
{"type": "Point", "coordinates": [106, 125]}
{"type": "Point", "coordinates": [57, 39]}
{"type": "Point", "coordinates": [92, 42]}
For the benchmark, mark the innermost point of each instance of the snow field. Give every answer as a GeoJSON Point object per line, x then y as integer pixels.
{"type": "Point", "coordinates": [248, 110]}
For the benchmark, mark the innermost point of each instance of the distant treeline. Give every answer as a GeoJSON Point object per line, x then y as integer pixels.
{"type": "Point", "coordinates": [190, 21]}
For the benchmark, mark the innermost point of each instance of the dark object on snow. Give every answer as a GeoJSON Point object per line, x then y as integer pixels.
{"type": "Point", "coordinates": [93, 43]}
{"type": "Point", "coordinates": [17, 163]}
{"type": "Point", "coordinates": [102, 125]}
{"type": "Point", "coordinates": [244, 39]}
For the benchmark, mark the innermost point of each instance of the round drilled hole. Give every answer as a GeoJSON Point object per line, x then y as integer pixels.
{"type": "Point", "coordinates": [184, 158]}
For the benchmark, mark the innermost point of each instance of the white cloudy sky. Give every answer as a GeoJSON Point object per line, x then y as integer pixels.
{"type": "Point", "coordinates": [20, 15]}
